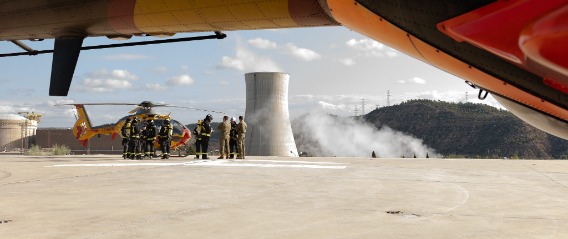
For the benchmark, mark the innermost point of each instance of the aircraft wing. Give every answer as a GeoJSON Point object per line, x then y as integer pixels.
{"type": "Point", "coordinates": [70, 21]}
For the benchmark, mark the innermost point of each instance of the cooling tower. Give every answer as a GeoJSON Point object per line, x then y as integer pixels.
{"type": "Point", "coordinates": [269, 132]}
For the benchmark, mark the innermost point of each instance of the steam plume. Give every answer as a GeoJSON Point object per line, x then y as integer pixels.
{"type": "Point", "coordinates": [320, 134]}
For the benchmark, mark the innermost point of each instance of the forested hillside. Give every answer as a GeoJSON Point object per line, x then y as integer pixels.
{"type": "Point", "coordinates": [470, 130]}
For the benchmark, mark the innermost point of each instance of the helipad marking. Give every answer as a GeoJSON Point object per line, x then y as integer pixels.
{"type": "Point", "coordinates": [220, 163]}
{"type": "Point", "coordinates": [281, 161]}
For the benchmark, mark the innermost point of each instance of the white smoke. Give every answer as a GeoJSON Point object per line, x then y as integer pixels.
{"type": "Point", "coordinates": [320, 134]}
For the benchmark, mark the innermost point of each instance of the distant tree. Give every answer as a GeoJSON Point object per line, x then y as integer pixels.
{"type": "Point", "coordinates": [373, 155]}
{"type": "Point", "coordinates": [414, 155]}
{"type": "Point", "coordinates": [190, 150]}
{"type": "Point", "coordinates": [427, 156]}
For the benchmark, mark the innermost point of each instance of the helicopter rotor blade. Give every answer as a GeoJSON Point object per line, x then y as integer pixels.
{"type": "Point", "coordinates": [193, 108]}
{"type": "Point", "coordinates": [98, 104]}
{"type": "Point", "coordinates": [148, 104]}
{"type": "Point", "coordinates": [134, 110]}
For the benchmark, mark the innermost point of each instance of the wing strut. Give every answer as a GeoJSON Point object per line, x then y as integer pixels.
{"type": "Point", "coordinates": [65, 55]}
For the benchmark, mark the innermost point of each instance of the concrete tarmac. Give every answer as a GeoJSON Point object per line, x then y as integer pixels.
{"type": "Point", "coordinates": [269, 197]}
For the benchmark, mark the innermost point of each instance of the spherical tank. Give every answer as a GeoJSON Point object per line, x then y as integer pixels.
{"type": "Point", "coordinates": [16, 132]}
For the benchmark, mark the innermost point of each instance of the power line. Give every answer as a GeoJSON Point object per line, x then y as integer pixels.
{"type": "Point", "coordinates": [363, 106]}
{"type": "Point", "coordinates": [355, 110]}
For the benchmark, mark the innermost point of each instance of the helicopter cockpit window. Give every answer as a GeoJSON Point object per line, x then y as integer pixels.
{"type": "Point", "coordinates": [178, 127]}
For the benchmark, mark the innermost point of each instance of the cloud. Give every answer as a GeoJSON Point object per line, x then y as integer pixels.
{"type": "Point", "coordinates": [414, 80]}
{"type": "Point", "coordinates": [105, 81]}
{"type": "Point", "coordinates": [61, 116]}
{"type": "Point", "coordinates": [347, 61]}
{"type": "Point", "coordinates": [21, 91]}
{"type": "Point", "coordinates": [155, 87]}
{"type": "Point", "coordinates": [262, 43]}
{"type": "Point", "coordinates": [246, 61]}
{"type": "Point", "coordinates": [331, 107]}
{"type": "Point", "coordinates": [126, 57]}
{"type": "Point", "coordinates": [342, 105]}
{"type": "Point", "coordinates": [161, 69]}
{"type": "Point", "coordinates": [181, 80]}
{"type": "Point", "coordinates": [301, 53]}
{"type": "Point", "coordinates": [232, 63]}
{"type": "Point", "coordinates": [371, 48]}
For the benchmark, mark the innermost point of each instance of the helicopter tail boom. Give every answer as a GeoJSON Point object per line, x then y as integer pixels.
{"type": "Point", "coordinates": [82, 128]}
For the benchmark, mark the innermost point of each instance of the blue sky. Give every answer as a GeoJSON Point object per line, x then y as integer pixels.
{"type": "Point", "coordinates": [331, 69]}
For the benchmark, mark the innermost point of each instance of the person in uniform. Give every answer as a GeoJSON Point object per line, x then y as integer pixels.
{"type": "Point", "coordinates": [205, 135]}
{"type": "Point", "coordinates": [150, 138]}
{"type": "Point", "coordinates": [241, 132]}
{"type": "Point", "coordinates": [124, 131]}
{"type": "Point", "coordinates": [165, 137]}
{"type": "Point", "coordinates": [197, 133]}
{"type": "Point", "coordinates": [233, 138]}
{"type": "Point", "coordinates": [225, 128]}
{"type": "Point", "coordinates": [143, 132]}
{"type": "Point", "coordinates": [134, 142]}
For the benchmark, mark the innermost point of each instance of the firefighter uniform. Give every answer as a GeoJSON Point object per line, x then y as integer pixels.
{"type": "Point", "coordinates": [233, 138]}
{"type": "Point", "coordinates": [134, 142]}
{"type": "Point", "coordinates": [143, 132]}
{"type": "Point", "coordinates": [165, 137]}
{"type": "Point", "coordinates": [241, 132]}
{"type": "Point", "coordinates": [197, 133]}
{"type": "Point", "coordinates": [150, 138]}
{"type": "Point", "coordinates": [124, 131]}
{"type": "Point", "coordinates": [205, 135]}
{"type": "Point", "coordinates": [225, 128]}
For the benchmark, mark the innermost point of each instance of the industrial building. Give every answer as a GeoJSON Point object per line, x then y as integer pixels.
{"type": "Point", "coordinates": [102, 144]}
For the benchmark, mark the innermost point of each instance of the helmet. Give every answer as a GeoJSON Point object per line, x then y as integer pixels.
{"type": "Point", "coordinates": [167, 120]}
{"type": "Point", "coordinates": [150, 122]}
{"type": "Point", "coordinates": [233, 119]}
{"type": "Point", "coordinates": [127, 120]}
{"type": "Point", "coordinates": [135, 120]}
{"type": "Point", "coordinates": [199, 121]}
{"type": "Point", "coordinates": [209, 117]}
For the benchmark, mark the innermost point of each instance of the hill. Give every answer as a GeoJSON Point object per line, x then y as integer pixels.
{"type": "Point", "coordinates": [469, 130]}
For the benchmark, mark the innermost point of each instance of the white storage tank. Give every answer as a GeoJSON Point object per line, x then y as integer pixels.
{"type": "Point", "coordinates": [269, 131]}
{"type": "Point", "coordinates": [16, 132]}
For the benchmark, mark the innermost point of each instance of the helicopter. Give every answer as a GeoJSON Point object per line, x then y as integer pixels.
{"type": "Point", "coordinates": [83, 130]}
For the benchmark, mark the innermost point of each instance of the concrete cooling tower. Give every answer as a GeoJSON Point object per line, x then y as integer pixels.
{"type": "Point", "coordinates": [269, 131]}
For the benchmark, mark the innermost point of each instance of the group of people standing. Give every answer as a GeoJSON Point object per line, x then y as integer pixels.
{"type": "Point", "coordinates": [138, 142]}
{"type": "Point", "coordinates": [138, 138]}
{"type": "Point", "coordinates": [232, 141]}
